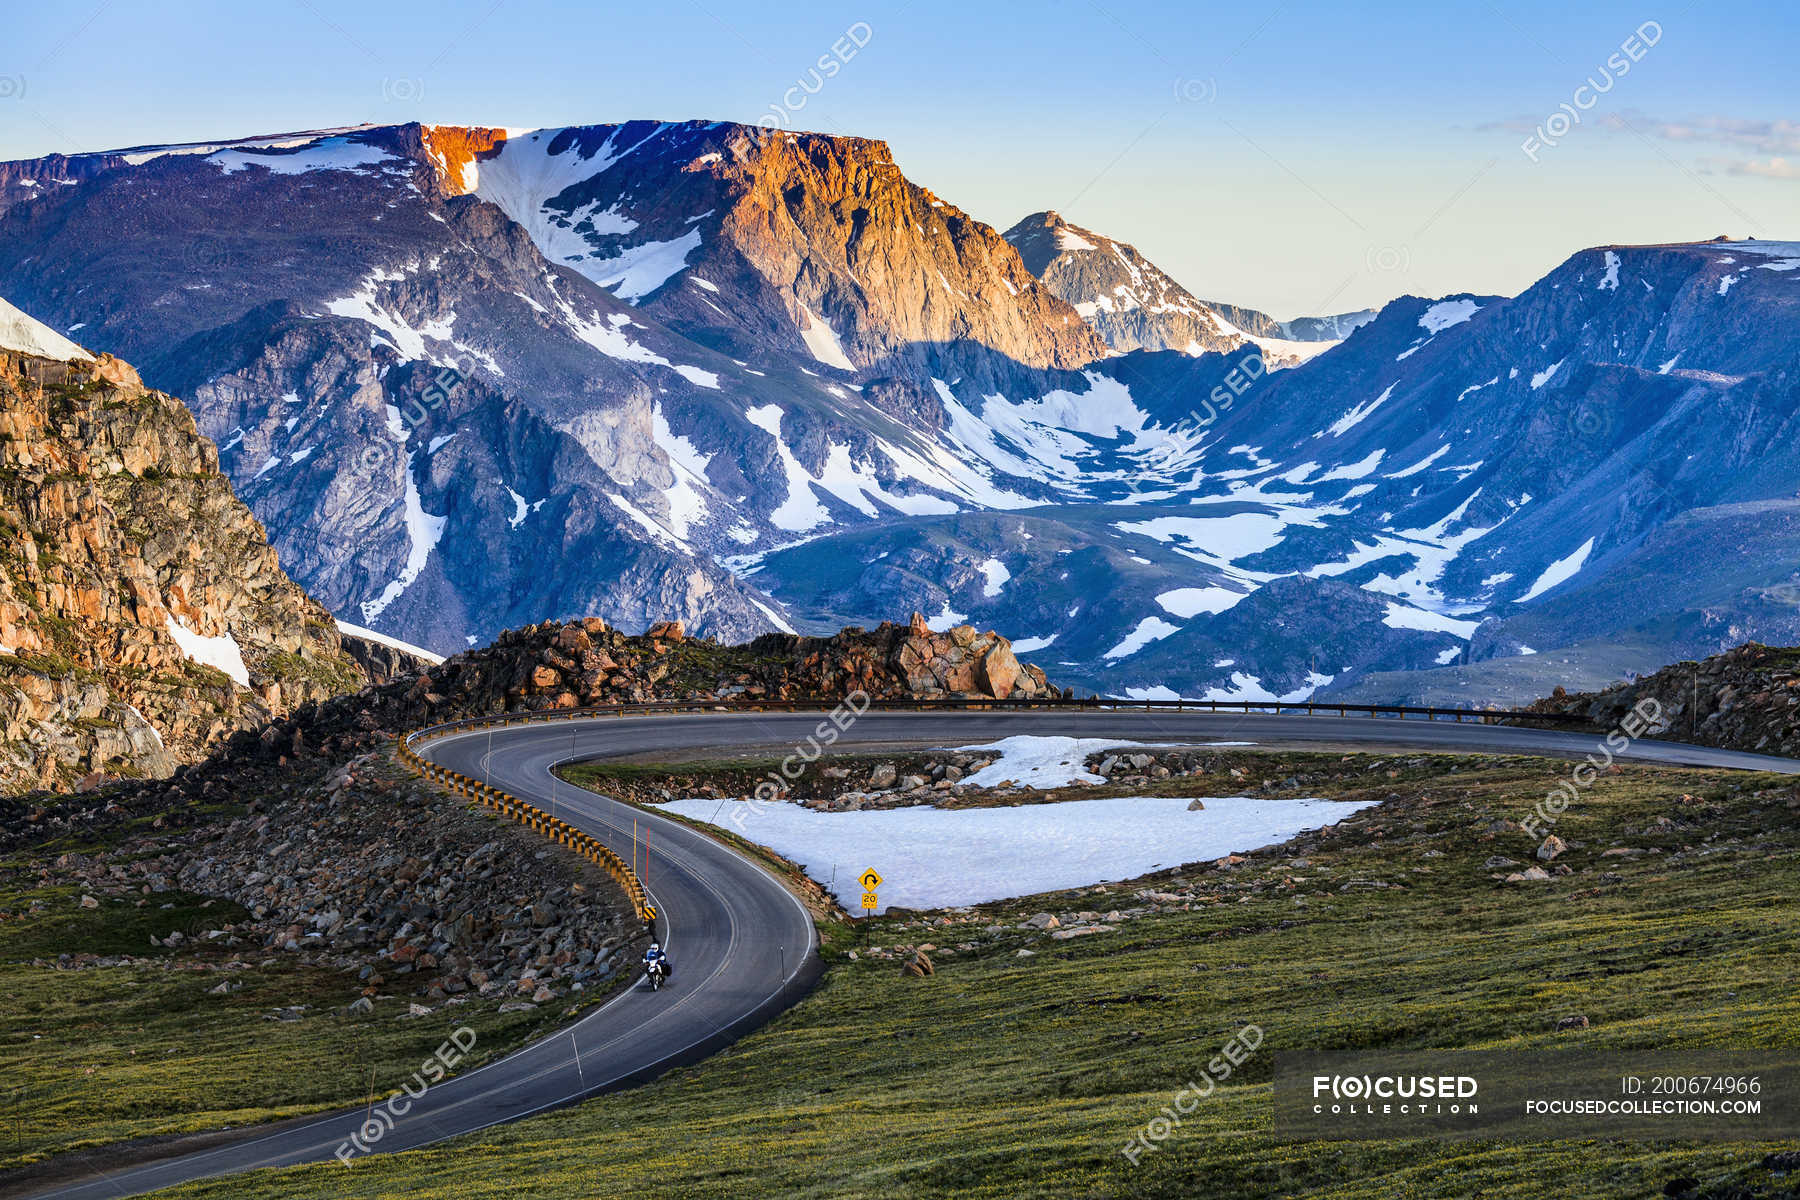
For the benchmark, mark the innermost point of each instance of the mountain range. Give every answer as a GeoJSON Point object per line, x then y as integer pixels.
{"type": "Point", "coordinates": [473, 378]}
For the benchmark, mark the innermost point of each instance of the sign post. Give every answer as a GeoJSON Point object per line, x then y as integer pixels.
{"type": "Point", "coordinates": [870, 880]}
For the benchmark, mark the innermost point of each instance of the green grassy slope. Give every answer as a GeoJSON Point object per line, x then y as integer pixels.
{"type": "Point", "coordinates": [1006, 1075]}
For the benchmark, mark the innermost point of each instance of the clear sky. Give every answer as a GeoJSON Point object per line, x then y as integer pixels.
{"type": "Point", "coordinates": [1298, 157]}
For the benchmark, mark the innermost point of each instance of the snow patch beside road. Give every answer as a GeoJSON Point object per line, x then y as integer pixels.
{"type": "Point", "coordinates": [1029, 760]}
{"type": "Point", "coordinates": [936, 858]}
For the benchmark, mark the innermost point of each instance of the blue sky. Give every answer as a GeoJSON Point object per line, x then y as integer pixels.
{"type": "Point", "coordinates": [1297, 157]}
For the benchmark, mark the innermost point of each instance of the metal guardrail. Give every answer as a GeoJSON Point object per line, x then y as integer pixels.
{"type": "Point", "coordinates": [1483, 716]}
{"type": "Point", "coordinates": [508, 805]}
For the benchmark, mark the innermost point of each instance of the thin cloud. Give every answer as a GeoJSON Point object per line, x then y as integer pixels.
{"type": "Point", "coordinates": [1774, 168]}
{"type": "Point", "coordinates": [1778, 140]}
{"type": "Point", "coordinates": [1510, 125]}
{"type": "Point", "coordinates": [1779, 137]}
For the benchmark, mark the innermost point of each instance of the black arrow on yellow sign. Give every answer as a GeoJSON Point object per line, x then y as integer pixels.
{"type": "Point", "coordinates": [870, 879]}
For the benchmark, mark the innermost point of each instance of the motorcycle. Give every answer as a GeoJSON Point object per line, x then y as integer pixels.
{"type": "Point", "coordinates": [657, 973]}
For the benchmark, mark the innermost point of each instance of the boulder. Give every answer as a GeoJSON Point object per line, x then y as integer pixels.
{"type": "Point", "coordinates": [998, 671]}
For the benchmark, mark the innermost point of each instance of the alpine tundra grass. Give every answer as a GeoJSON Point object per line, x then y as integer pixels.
{"type": "Point", "coordinates": [1010, 1074]}
{"type": "Point", "coordinates": [1013, 1075]}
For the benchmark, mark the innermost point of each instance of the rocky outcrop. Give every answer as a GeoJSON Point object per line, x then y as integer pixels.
{"type": "Point", "coordinates": [381, 659]}
{"type": "Point", "coordinates": [555, 665]}
{"type": "Point", "coordinates": [1744, 699]}
{"type": "Point", "coordinates": [143, 616]}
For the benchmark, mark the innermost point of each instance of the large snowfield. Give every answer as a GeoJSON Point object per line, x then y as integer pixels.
{"type": "Point", "coordinates": [935, 857]}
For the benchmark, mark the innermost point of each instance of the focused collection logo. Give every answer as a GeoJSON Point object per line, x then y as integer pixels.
{"type": "Point", "coordinates": [1395, 1095]}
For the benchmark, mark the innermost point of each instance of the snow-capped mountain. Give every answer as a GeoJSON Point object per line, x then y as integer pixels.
{"type": "Point", "coordinates": [1463, 485]}
{"type": "Point", "coordinates": [476, 377]}
{"type": "Point", "coordinates": [657, 334]}
{"type": "Point", "coordinates": [1134, 305]}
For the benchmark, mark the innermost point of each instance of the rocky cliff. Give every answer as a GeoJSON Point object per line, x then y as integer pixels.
{"type": "Point", "coordinates": [143, 615]}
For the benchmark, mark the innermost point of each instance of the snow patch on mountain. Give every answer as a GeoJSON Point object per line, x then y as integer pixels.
{"type": "Point", "coordinates": [24, 335]}
{"type": "Point", "coordinates": [1357, 415]}
{"type": "Point", "coordinates": [1446, 313]}
{"type": "Point", "coordinates": [1405, 616]}
{"type": "Point", "coordinates": [947, 618]}
{"type": "Point", "coordinates": [221, 652]}
{"type": "Point", "coordinates": [1560, 571]}
{"type": "Point", "coordinates": [686, 496]}
{"type": "Point", "coordinates": [1150, 629]}
{"type": "Point", "coordinates": [423, 532]}
{"type": "Point", "coordinates": [1610, 282]}
{"type": "Point", "coordinates": [407, 339]}
{"type": "Point", "coordinates": [524, 177]}
{"type": "Point", "coordinates": [1220, 540]}
{"type": "Point", "coordinates": [823, 342]}
{"type": "Point", "coordinates": [1192, 601]}
{"type": "Point", "coordinates": [639, 270]}
{"type": "Point", "coordinates": [326, 154]}
{"type": "Point", "coordinates": [1422, 464]}
{"type": "Point", "coordinates": [1249, 688]}
{"type": "Point", "coordinates": [801, 510]}
{"type": "Point", "coordinates": [994, 578]}
{"type": "Point", "coordinates": [385, 640]}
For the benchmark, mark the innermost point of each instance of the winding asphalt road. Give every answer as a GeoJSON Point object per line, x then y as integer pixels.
{"type": "Point", "coordinates": [744, 948]}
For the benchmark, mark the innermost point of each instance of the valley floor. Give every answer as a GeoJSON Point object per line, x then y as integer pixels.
{"type": "Point", "coordinates": [1013, 1074]}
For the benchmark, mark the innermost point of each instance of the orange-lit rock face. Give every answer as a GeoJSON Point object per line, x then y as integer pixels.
{"type": "Point", "coordinates": [832, 222]}
{"type": "Point", "coordinates": [456, 148]}
{"type": "Point", "coordinates": [115, 526]}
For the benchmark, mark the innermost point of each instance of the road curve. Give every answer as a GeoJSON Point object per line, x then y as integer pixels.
{"type": "Point", "coordinates": [744, 947]}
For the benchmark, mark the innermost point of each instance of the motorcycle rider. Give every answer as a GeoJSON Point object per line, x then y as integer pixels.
{"type": "Point", "coordinates": [655, 959]}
